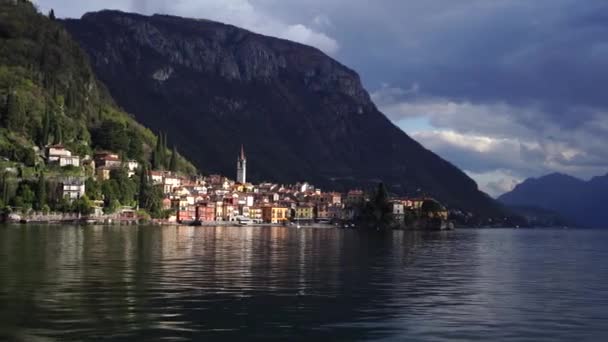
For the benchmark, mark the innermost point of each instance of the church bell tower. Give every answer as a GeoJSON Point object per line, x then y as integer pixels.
{"type": "Point", "coordinates": [241, 167]}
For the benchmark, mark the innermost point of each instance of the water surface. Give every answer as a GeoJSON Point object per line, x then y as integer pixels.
{"type": "Point", "coordinates": [182, 283]}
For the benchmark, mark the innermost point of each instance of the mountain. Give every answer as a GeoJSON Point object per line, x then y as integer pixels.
{"type": "Point", "coordinates": [300, 114]}
{"type": "Point", "coordinates": [49, 94]}
{"type": "Point", "coordinates": [573, 199]}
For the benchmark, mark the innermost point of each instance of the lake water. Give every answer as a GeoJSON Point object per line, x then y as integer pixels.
{"type": "Point", "coordinates": [181, 283]}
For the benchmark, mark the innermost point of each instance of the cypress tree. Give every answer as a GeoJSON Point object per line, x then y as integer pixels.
{"type": "Point", "coordinates": [11, 113]}
{"type": "Point", "coordinates": [5, 187]}
{"type": "Point", "coordinates": [143, 186]}
{"type": "Point", "coordinates": [163, 150]}
{"type": "Point", "coordinates": [156, 154]}
{"type": "Point", "coordinates": [173, 163]}
{"type": "Point", "coordinates": [46, 129]}
{"type": "Point", "coordinates": [58, 135]}
{"type": "Point", "coordinates": [41, 192]}
{"type": "Point", "coordinates": [52, 14]}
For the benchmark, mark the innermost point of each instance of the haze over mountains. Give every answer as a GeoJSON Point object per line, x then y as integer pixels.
{"type": "Point", "coordinates": [578, 201]}
{"type": "Point", "coordinates": [300, 114]}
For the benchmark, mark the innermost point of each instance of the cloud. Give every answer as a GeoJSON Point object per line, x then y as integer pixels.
{"type": "Point", "coordinates": [501, 139]}
{"type": "Point", "coordinates": [242, 13]}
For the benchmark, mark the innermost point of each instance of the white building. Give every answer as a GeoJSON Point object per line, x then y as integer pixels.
{"type": "Point", "coordinates": [69, 161]}
{"type": "Point", "coordinates": [170, 183]}
{"type": "Point", "coordinates": [72, 188]}
{"type": "Point", "coordinates": [58, 154]}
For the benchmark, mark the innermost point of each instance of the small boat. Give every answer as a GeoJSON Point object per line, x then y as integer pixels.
{"type": "Point", "coordinates": [244, 222]}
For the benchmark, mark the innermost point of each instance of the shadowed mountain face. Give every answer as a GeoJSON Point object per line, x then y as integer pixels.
{"type": "Point", "coordinates": [576, 200]}
{"type": "Point", "coordinates": [300, 114]}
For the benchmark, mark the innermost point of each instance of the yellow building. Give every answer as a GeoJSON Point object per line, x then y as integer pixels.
{"type": "Point", "coordinates": [255, 214]}
{"type": "Point", "coordinates": [305, 212]}
{"type": "Point", "coordinates": [275, 214]}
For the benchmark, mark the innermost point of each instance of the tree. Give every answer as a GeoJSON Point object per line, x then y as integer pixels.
{"type": "Point", "coordinates": [173, 162]}
{"type": "Point", "coordinates": [143, 185]}
{"type": "Point", "coordinates": [382, 207]}
{"type": "Point", "coordinates": [12, 113]}
{"type": "Point", "coordinates": [5, 187]}
{"type": "Point", "coordinates": [46, 129]}
{"type": "Point", "coordinates": [41, 197]}
{"type": "Point", "coordinates": [83, 205]}
{"type": "Point", "coordinates": [157, 154]}
{"type": "Point", "coordinates": [93, 189]}
{"type": "Point", "coordinates": [150, 196]}
{"type": "Point", "coordinates": [57, 134]}
{"type": "Point", "coordinates": [430, 207]}
{"type": "Point", "coordinates": [110, 191]}
{"type": "Point", "coordinates": [127, 187]}
{"type": "Point", "coordinates": [377, 213]}
{"type": "Point", "coordinates": [25, 196]}
{"type": "Point", "coordinates": [52, 14]}
{"type": "Point", "coordinates": [135, 149]}
{"type": "Point", "coordinates": [111, 135]}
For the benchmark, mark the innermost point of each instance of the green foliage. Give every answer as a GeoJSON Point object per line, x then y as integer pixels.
{"type": "Point", "coordinates": [377, 213]}
{"type": "Point", "coordinates": [430, 206]}
{"type": "Point", "coordinates": [157, 155]}
{"type": "Point", "coordinates": [150, 196]}
{"type": "Point", "coordinates": [93, 189]}
{"type": "Point", "coordinates": [83, 205]}
{"type": "Point", "coordinates": [48, 92]}
{"type": "Point", "coordinates": [173, 162]}
{"type": "Point", "coordinates": [46, 130]}
{"type": "Point", "coordinates": [41, 196]}
{"type": "Point", "coordinates": [127, 188]}
{"type": "Point", "coordinates": [112, 207]}
{"type": "Point", "coordinates": [111, 135]}
{"type": "Point", "coordinates": [25, 196]}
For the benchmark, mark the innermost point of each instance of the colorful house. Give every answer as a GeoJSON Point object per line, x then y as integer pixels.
{"type": "Point", "coordinates": [275, 214]}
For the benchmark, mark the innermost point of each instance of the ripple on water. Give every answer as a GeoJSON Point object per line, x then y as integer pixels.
{"type": "Point", "coordinates": [183, 283]}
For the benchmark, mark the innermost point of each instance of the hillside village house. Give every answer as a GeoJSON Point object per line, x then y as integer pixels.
{"type": "Point", "coordinates": [72, 188]}
{"type": "Point", "coordinates": [58, 154]}
{"type": "Point", "coordinates": [105, 162]}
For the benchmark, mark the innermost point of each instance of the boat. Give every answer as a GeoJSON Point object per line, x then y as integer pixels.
{"type": "Point", "coordinates": [245, 222]}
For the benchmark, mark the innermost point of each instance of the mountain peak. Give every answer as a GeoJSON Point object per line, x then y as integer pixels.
{"type": "Point", "coordinates": [577, 200]}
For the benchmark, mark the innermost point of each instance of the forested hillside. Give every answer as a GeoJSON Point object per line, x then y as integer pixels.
{"type": "Point", "coordinates": [50, 96]}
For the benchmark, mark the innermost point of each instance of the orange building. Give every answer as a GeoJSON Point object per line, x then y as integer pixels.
{"type": "Point", "coordinates": [275, 214]}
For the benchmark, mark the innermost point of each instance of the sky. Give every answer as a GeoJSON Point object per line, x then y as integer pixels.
{"type": "Point", "coordinates": [504, 89]}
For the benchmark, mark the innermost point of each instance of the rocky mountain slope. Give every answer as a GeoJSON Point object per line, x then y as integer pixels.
{"type": "Point", "coordinates": [300, 114]}
{"type": "Point", "coordinates": [577, 201]}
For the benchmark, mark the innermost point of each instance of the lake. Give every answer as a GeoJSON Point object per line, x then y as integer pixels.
{"type": "Point", "coordinates": [249, 283]}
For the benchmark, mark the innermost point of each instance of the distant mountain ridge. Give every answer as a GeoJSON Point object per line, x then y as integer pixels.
{"type": "Point", "coordinates": [578, 201]}
{"type": "Point", "coordinates": [300, 114]}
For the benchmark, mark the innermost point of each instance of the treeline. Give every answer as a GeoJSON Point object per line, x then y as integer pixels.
{"type": "Point", "coordinates": [45, 195]}
{"type": "Point", "coordinates": [377, 212]}
{"type": "Point", "coordinates": [160, 158]}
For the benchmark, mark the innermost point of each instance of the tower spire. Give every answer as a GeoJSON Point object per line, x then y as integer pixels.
{"type": "Point", "coordinates": [241, 167]}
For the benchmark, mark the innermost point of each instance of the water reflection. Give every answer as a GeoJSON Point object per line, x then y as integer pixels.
{"type": "Point", "coordinates": [273, 283]}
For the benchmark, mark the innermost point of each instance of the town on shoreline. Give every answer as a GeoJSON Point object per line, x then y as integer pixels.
{"type": "Point", "coordinates": [108, 189]}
